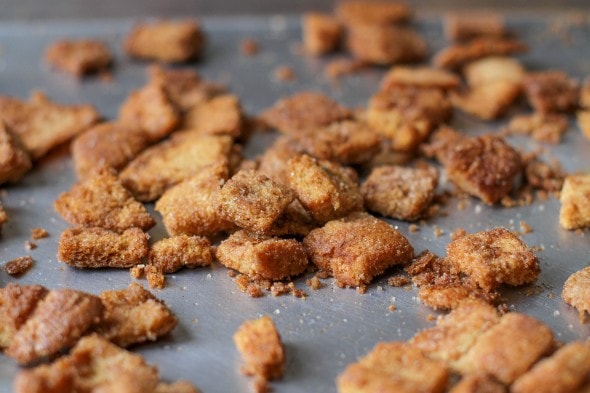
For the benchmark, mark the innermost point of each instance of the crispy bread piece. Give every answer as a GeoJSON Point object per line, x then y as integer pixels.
{"type": "Point", "coordinates": [463, 26]}
{"type": "Point", "coordinates": [274, 162]}
{"type": "Point", "coordinates": [576, 291]}
{"type": "Point", "coordinates": [58, 322]}
{"type": "Point", "coordinates": [321, 33]}
{"type": "Point", "coordinates": [3, 216]}
{"type": "Point", "coordinates": [488, 101]}
{"type": "Point", "coordinates": [102, 201]}
{"type": "Point", "coordinates": [478, 383]}
{"type": "Point", "coordinates": [221, 115]}
{"type": "Point", "coordinates": [420, 77]}
{"type": "Point", "coordinates": [575, 202]}
{"type": "Point", "coordinates": [17, 303]}
{"type": "Point", "coordinates": [79, 57]}
{"type": "Point", "coordinates": [457, 55]}
{"type": "Point", "coordinates": [17, 266]}
{"type": "Point", "coordinates": [295, 220]}
{"type": "Point", "coordinates": [551, 91]}
{"type": "Point", "coordinates": [14, 159]}
{"type": "Point", "coordinates": [544, 128]}
{"type": "Point", "coordinates": [174, 253]}
{"type": "Point", "coordinates": [98, 247]}
{"type": "Point", "coordinates": [583, 118]}
{"type": "Point", "coordinates": [372, 12]}
{"type": "Point", "coordinates": [494, 69]}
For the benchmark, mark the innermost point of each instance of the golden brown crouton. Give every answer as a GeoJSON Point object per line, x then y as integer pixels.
{"type": "Point", "coordinates": [161, 166]}
{"type": "Point", "coordinates": [262, 257]}
{"type": "Point", "coordinates": [583, 118]}
{"type": "Point", "coordinates": [393, 367]}
{"type": "Point", "coordinates": [174, 253]}
{"type": "Point", "coordinates": [485, 167]}
{"type": "Point", "coordinates": [327, 190]}
{"type": "Point", "coordinates": [274, 162]}
{"type": "Point", "coordinates": [575, 202]}
{"type": "Point", "coordinates": [493, 69]}
{"type": "Point", "coordinates": [357, 248]}
{"type": "Point", "coordinates": [167, 41]}
{"type": "Point", "coordinates": [585, 95]}
{"type": "Point", "coordinates": [106, 145]}
{"type": "Point", "coordinates": [295, 220]}
{"type": "Point", "coordinates": [18, 266]}
{"type": "Point", "coordinates": [441, 144]}
{"type": "Point", "coordinates": [457, 55]}
{"type": "Point", "coordinates": [551, 91]}
{"type": "Point", "coordinates": [42, 124]}
{"type": "Point", "coordinates": [133, 315]}
{"type": "Point", "coordinates": [449, 295]}
{"type": "Point", "coordinates": [508, 349]}
{"type": "Point", "coordinates": [102, 201]}
{"type": "Point", "coordinates": [261, 348]}
{"type": "Point", "coordinates": [372, 12]}
{"type": "Point", "coordinates": [98, 247]}
{"type": "Point", "coordinates": [488, 101]}
{"type": "Point", "coordinates": [321, 33]}
{"type": "Point", "coordinates": [151, 110]}
{"type": "Point", "coordinates": [3, 216]}
{"type": "Point", "coordinates": [14, 159]}
{"type": "Point", "coordinates": [563, 372]}
{"type": "Point", "coordinates": [17, 303]}
{"type": "Point", "coordinates": [79, 57]}
{"type": "Point", "coordinates": [421, 77]}
{"type": "Point", "coordinates": [542, 127]}
{"type": "Point", "coordinates": [542, 176]}
{"type": "Point", "coordinates": [462, 26]}
{"type": "Point", "coordinates": [398, 192]}
{"type": "Point", "coordinates": [478, 383]}
{"type": "Point", "coordinates": [222, 115]}
{"type": "Point", "coordinates": [576, 291]}
{"type": "Point", "coordinates": [493, 257]}
{"type": "Point", "coordinates": [58, 322]}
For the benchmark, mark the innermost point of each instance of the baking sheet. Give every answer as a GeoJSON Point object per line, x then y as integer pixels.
{"type": "Point", "coordinates": [333, 326]}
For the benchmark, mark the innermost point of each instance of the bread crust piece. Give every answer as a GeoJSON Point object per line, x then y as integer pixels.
{"type": "Point", "coordinates": [167, 41]}
{"type": "Point", "coordinates": [174, 253]}
{"type": "Point", "coordinates": [455, 56]}
{"type": "Point", "coordinates": [102, 201]}
{"type": "Point", "coordinates": [321, 33]}
{"type": "Point", "coordinates": [79, 57]}
{"type": "Point", "coordinates": [576, 291]}
{"type": "Point", "coordinates": [372, 12]}
{"type": "Point", "coordinates": [551, 91]}
{"type": "Point", "coordinates": [98, 248]}
{"type": "Point", "coordinates": [420, 77]}
{"type": "Point", "coordinates": [575, 202]}
{"type": "Point", "coordinates": [393, 367]}
{"type": "Point", "coordinates": [59, 320]}
{"type": "Point", "coordinates": [14, 159]}
{"type": "Point", "coordinates": [357, 248]}
{"type": "Point", "coordinates": [17, 303]}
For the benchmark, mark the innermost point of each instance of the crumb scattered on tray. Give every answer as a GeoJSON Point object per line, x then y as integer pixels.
{"type": "Point", "coordinates": [79, 57]}
{"type": "Point", "coordinates": [18, 266]}
{"type": "Point", "coordinates": [249, 47]}
{"type": "Point", "coordinates": [284, 74]}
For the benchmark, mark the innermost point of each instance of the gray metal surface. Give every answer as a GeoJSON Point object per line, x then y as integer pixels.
{"type": "Point", "coordinates": [333, 326]}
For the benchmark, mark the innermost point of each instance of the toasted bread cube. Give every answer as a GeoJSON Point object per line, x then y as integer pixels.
{"type": "Point", "coordinates": [261, 348]}
{"type": "Point", "coordinates": [263, 257]}
{"type": "Point", "coordinates": [133, 315]}
{"type": "Point", "coordinates": [551, 91]}
{"type": "Point", "coordinates": [565, 371]}
{"type": "Point", "coordinates": [583, 118]}
{"type": "Point", "coordinates": [372, 12]}
{"type": "Point", "coordinates": [222, 115]}
{"type": "Point", "coordinates": [18, 266]}
{"type": "Point", "coordinates": [98, 247]}
{"type": "Point", "coordinates": [485, 167]}
{"type": "Point", "coordinates": [494, 69]}
{"type": "Point", "coordinates": [253, 201]}
{"type": "Point", "coordinates": [385, 44]}
{"type": "Point", "coordinates": [398, 192]}
{"type": "Point", "coordinates": [575, 202]}
{"type": "Point", "coordinates": [448, 296]}
{"type": "Point", "coordinates": [14, 159]}
{"type": "Point", "coordinates": [441, 144]}
{"type": "Point", "coordinates": [274, 162]}
{"type": "Point", "coordinates": [457, 55]}
{"type": "Point", "coordinates": [494, 257]}
{"type": "Point", "coordinates": [542, 127]}
{"type": "Point", "coordinates": [167, 41]}
{"type": "Point", "coordinates": [420, 77]}
{"type": "Point", "coordinates": [40, 336]}
{"type": "Point", "coordinates": [478, 383]}
{"type": "Point", "coordinates": [393, 367]}
{"type": "Point", "coordinates": [17, 303]}
{"type": "Point", "coordinates": [508, 349]}
{"type": "Point", "coordinates": [357, 248]}
{"type": "Point", "coordinates": [42, 124]}
{"type": "Point", "coordinates": [576, 291]}
{"type": "Point", "coordinates": [305, 110]}
{"type": "Point", "coordinates": [174, 253]}
{"type": "Point", "coordinates": [488, 101]}
{"type": "Point", "coordinates": [327, 190]}
{"type": "Point", "coordinates": [106, 145]}
{"type": "Point", "coordinates": [151, 110]}
{"type": "Point", "coordinates": [162, 166]}
{"type": "Point", "coordinates": [456, 332]}
{"type": "Point", "coordinates": [295, 220]}
{"type": "Point", "coordinates": [102, 201]}
{"type": "Point", "coordinates": [462, 26]}
{"type": "Point", "coordinates": [79, 57]}
{"type": "Point", "coordinates": [321, 33]}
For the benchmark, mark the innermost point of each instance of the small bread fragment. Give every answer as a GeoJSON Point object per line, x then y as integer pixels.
{"type": "Point", "coordinates": [564, 371]}
{"type": "Point", "coordinates": [262, 257]}
{"type": "Point", "coordinates": [576, 291]}
{"type": "Point", "coordinates": [357, 248]}
{"type": "Point", "coordinates": [457, 55]}
{"type": "Point", "coordinates": [58, 322]}
{"type": "Point", "coordinates": [541, 127]}
{"type": "Point", "coordinates": [478, 383]}
{"type": "Point", "coordinates": [261, 348]}
{"type": "Point", "coordinates": [3, 216]}
{"type": "Point", "coordinates": [79, 57]}
{"type": "Point", "coordinates": [42, 124]}
{"type": "Point", "coordinates": [575, 202]}
{"type": "Point", "coordinates": [583, 118]}
{"type": "Point", "coordinates": [463, 26]}
{"type": "Point", "coordinates": [508, 349]}
{"type": "Point", "coordinates": [493, 69]}
{"type": "Point", "coordinates": [393, 367]}
{"type": "Point", "coordinates": [420, 77]}
{"type": "Point", "coordinates": [18, 266]}
{"type": "Point", "coordinates": [167, 41]}
{"type": "Point", "coordinates": [133, 315]}
{"type": "Point", "coordinates": [377, 12]}
{"type": "Point", "coordinates": [174, 253]}
{"type": "Point", "coordinates": [551, 91]}
{"type": "Point", "coordinates": [321, 33]}
{"type": "Point", "coordinates": [17, 303]}
{"type": "Point", "coordinates": [102, 201]}
{"type": "Point", "coordinates": [99, 247]}
{"type": "Point", "coordinates": [221, 115]}
{"type": "Point", "coordinates": [155, 277]}
{"type": "Point", "coordinates": [488, 101]}
{"type": "Point", "coordinates": [14, 159]}
{"type": "Point", "coordinates": [398, 192]}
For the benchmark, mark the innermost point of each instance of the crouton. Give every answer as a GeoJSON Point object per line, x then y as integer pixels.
{"type": "Point", "coordinates": [14, 159]}
{"type": "Point", "coordinates": [221, 115]}
{"type": "Point", "coordinates": [321, 33]}
{"type": "Point", "coordinates": [174, 253]}
{"type": "Point", "coordinates": [585, 95]}
{"type": "Point", "coordinates": [155, 277]}
{"type": "Point", "coordinates": [457, 55]}
{"type": "Point", "coordinates": [419, 77]}
{"type": "Point", "coordinates": [18, 266]}
{"type": "Point", "coordinates": [541, 127]}
{"type": "Point", "coordinates": [489, 101]}
{"type": "Point", "coordinates": [576, 291]}
{"type": "Point", "coordinates": [274, 162]}
{"type": "Point", "coordinates": [441, 144]}
{"type": "Point", "coordinates": [493, 69]}
{"type": "Point", "coordinates": [372, 12]}
{"type": "Point", "coordinates": [575, 202]}
{"type": "Point", "coordinates": [478, 383]}
{"type": "Point", "coordinates": [295, 220]}
{"type": "Point", "coordinates": [551, 91]}
{"type": "Point", "coordinates": [17, 303]}
{"type": "Point", "coordinates": [583, 118]}
{"type": "Point", "coordinates": [463, 26]}
{"type": "Point", "coordinates": [79, 57]}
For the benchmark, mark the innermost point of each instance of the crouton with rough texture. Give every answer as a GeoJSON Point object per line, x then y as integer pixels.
{"type": "Point", "coordinates": [463, 26]}
{"type": "Point", "coordinates": [494, 69]}
{"type": "Point", "coordinates": [221, 115]}
{"type": "Point", "coordinates": [18, 266]}
{"type": "Point", "coordinates": [14, 159]}
{"type": "Point", "coordinates": [457, 55]}
{"type": "Point", "coordinates": [575, 202]}
{"type": "Point", "coordinates": [274, 162]}
{"type": "Point", "coordinates": [372, 12]}
{"type": "Point", "coordinates": [17, 303]}
{"type": "Point", "coordinates": [583, 118]}
{"type": "Point", "coordinates": [576, 291]}
{"type": "Point", "coordinates": [541, 127]}
{"type": "Point", "coordinates": [489, 101]}
{"type": "Point", "coordinates": [551, 91]}
{"type": "Point", "coordinates": [295, 220]}
{"type": "Point", "coordinates": [321, 33]}
{"type": "Point", "coordinates": [3, 216]}
{"type": "Point", "coordinates": [419, 77]}
{"type": "Point", "coordinates": [174, 253]}
{"type": "Point", "coordinates": [79, 57]}
{"type": "Point", "coordinates": [478, 383]}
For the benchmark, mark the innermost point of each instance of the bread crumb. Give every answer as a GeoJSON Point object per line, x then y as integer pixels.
{"type": "Point", "coordinates": [18, 266]}
{"type": "Point", "coordinates": [398, 281]}
{"type": "Point", "coordinates": [249, 47]}
{"type": "Point", "coordinates": [525, 228]}
{"type": "Point", "coordinates": [438, 232]}
{"type": "Point", "coordinates": [137, 271]}
{"type": "Point", "coordinates": [284, 74]}
{"type": "Point", "coordinates": [457, 233]}
{"type": "Point", "coordinates": [391, 308]}
{"type": "Point", "coordinates": [314, 283]}
{"type": "Point", "coordinates": [29, 245]}
{"type": "Point", "coordinates": [79, 57]}
{"type": "Point", "coordinates": [340, 67]}
{"type": "Point", "coordinates": [155, 277]}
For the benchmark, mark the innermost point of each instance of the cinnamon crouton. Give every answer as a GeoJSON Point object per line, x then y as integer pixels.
{"type": "Point", "coordinates": [576, 291]}
{"type": "Point", "coordinates": [441, 144]}
{"type": "Point", "coordinates": [133, 315]}
{"type": "Point", "coordinates": [583, 118]}
{"type": "Point", "coordinates": [79, 57]}
{"type": "Point", "coordinates": [372, 12]}
{"type": "Point", "coordinates": [488, 101]}
{"type": "Point", "coordinates": [393, 367]}
{"type": "Point", "coordinates": [551, 91]}
{"type": "Point", "coordinates": [420, 77]}
{"type": "Point", "coordinates": [357, 248]}
{"type": "Point", "coordinates": [398, 192]}
{"type": "Point", "coordinates": [457, 55]}
{"type": "Point", "coordinates": [18, 266]}
{"type": "Point", "coordinates": [14, 159]}
{"type": "Point", "coordinates": [274, 162]}
{"type": "Point", "coordinates": [463, 26]}
{"type": "Point", "coordinates": [17, 303]}
{"type": "Point", "coordinates": [174, 253]}
{"type": "Point", "coordinates": [221, 115]}
{"type": "Point", "coordinates": [541, 127]}
{"type": "Point", "coordinates": [575, 202]}
{"type": "Point", "coordinates": [493, 69]}
{"type": "Point", "coordinates": [167, 41]}
{"type": "Point", "coordinates": [295, 220]}
{"type": "Point", "coordinates": [493, 257]}
{"type": "Point", "coordinates": [40, 336]}
{"type": "Point", "coordinates": [102, 201]}
{"type": "Point", "coordinates": [321, 33]}
{"type": "Point", "coordinates": [478, 383]}
{"type": "Point", "coordinates": [42, 124]}
{"type": "Point", "coordinates": [98, 247]}
{"type": "Point", "coordinates": [262, 257]}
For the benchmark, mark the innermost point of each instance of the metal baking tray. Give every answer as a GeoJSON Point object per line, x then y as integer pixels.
{"type": "Point", "coordinates": [333, 326]}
